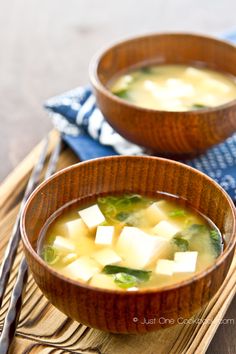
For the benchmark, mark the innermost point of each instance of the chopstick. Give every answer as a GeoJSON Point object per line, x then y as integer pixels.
{"type": "Point", "coordinates": [14, 310]}
{"type": "Point", "coordinates": [10, 253]}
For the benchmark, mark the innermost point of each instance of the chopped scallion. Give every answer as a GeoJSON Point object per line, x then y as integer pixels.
{"type": "Point", "coordinates": [199, 106]}
{"type": "Point", "coordinates": [177, 212]}
{"type": "Point", "coordinates": [124, 280]}
{"type": "Point", "coordinates": [50, 254]}
{"type": "Point", "coordinates": [141, 275]}
{"type": "Point", "coordinates": [181, 243]}
{"type": "Point", "coordinates": [216, 241]}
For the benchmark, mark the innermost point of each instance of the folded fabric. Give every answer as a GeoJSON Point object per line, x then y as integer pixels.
{"type": "Point", "coordinates": [89, 135]}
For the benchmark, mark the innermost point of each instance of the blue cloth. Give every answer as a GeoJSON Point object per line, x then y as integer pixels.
{"type": "Point", "coordinates": [89, 135]}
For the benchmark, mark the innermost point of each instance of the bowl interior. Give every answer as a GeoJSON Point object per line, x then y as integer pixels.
{"type": "Point", "coordinates": [166, 48]}
{"type": "Point", "coordinates": [128, 174]}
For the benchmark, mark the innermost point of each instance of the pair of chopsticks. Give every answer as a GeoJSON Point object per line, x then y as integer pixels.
{"type": "Point", "coordinates": [13, 313]}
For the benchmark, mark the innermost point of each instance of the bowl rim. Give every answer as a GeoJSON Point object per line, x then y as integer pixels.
{"type": "Point", "coordinates": [98, 85]}
{"type": "Point", "coordinates": [77, 283]}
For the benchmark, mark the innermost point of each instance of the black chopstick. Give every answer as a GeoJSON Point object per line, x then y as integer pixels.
{"type": "Point", "coordinates": [53, 159]}
{"type": "Point", "coordinates": [14, 310]}
{"type": "Point", "coordinates": [10, 253]}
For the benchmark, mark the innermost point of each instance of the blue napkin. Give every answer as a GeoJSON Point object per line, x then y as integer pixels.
{"type": "Point", "coordinates": [89, 135]}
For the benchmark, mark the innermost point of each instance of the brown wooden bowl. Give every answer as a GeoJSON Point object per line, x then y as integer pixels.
{"type": "Point", "coordinates": [165, 132]}
{"type": "Point", "coordinates": [117, 311]}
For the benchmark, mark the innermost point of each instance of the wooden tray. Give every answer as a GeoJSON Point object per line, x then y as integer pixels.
{"type": "Point", "coordinates": [43, 329]}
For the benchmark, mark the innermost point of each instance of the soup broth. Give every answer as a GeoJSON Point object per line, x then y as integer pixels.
{"type": "Point", "coordinates": [174, 87]}
{"type": "Point", "coordinates": [130, 242]}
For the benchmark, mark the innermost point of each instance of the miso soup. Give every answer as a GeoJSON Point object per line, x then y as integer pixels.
{"type": "Point", "coordinates": [174, 87]}
{"type": "Point", "coordinates": [130, 242]}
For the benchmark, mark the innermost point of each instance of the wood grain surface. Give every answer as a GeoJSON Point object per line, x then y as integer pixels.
{"type": "Point", "coordinates": [43, 329]}
{"type": "Point", "coordinates": [46, 47]}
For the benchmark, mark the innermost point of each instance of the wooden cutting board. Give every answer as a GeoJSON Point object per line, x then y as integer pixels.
{"type": "Point", "coordinates": [44, 329]}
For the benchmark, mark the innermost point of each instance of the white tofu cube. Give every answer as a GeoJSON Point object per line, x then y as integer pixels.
{"type": "Point", "coordinates": [92, 216]}
{"type": "Point", "coordinates": [154, 213]}
{"type": "Point", "coordinates": [69, 258]}
{"type": "Point", "coordinates": [133, 288]}
{"type": "Point", "coordinates": [103, 281]}
{"type": "Point", "coordinates": [76, 229]}
{"type": "Point", "coordinates": [216, 85]}
{"type": "Point", "coordinates": [79, 233]}
{"type": "Point", "coordinates": [190, 71]}
{"type": "Point", "coordinates": [63, 244]}
{"type": "Point", "coordinates": [104, 235]}
{"type": "Point", "coordinates": [165, 229]}
{"type": "Point", "coordinates": [106, 256]}
{"type": "Point", "coordinates": [185, 262]}
{"type": "Point", "coordinates": [82, 269]}
{"type": "Point", "coordinates": [165, 267]}
{"type": "Point", "coordinates": [138, 249]}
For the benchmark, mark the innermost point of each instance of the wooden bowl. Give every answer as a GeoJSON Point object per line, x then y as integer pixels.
{"type": "Point", "coordinates": [165, 132]}
{"type": "Point", "coordinates": [118, 311]}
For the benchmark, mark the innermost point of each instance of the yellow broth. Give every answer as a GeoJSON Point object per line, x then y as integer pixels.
{"type": "Point", "coordinates": [151, 239]}
{"type": "Point", "coordinates": [174, 87]}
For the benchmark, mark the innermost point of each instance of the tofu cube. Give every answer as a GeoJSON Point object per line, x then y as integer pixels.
{"type": "Point", "coordinates": [165, 229]}
{"type": "Point", "coordinates": [82, 269]}
{"type": "Point", "coordinates": [185, 262]}
{"type": "Point", "coordinates": [76, 229]}
{"type": "Point", "coordinates": [190, 71]}
{"type": "Point", "coordinates": [106, 256]}
{"type": "Point", "coordinates": [133, 288]}
{"type": "Point", "coordinates": [165, 267]}
{"type": "Point", "coordinates": [103, 281]}
{"type": "Point", "coordinates": [63, 244]}
{"type": "Point", "coordinates": [69, 258]}
{"type": "Point", "coordinates": [138, 248]}
{"type": "Point", "coordinates": [104, 235]}
{"type": "Point", "coordinates": [154, 213]}
{"type": "Point", "coordinates": [92, 216]}
{"type": "Point", "coordinates": [79, 233]}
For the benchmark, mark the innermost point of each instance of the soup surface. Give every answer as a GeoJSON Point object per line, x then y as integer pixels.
{"type": "Point", "coordinates": [130, 242]}
{"type": "Point", "coordinates": [174, 87]}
